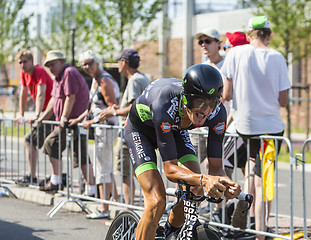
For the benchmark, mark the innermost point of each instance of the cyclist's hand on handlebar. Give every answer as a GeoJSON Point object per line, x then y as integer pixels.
{"type": "Point", "coordinates": [214, 185]}
{"type": "Point", "coordinates": [233, 189]}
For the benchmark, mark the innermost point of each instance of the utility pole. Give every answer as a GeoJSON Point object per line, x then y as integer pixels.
{"type": "Point", "coordinates": [163, 41]}
{"type": "Point", "coordinates": [187, 39]}
{"type": "Point", "coordinates": [38, 52]}
{"type": "Point", "coordinates": [73, 36]}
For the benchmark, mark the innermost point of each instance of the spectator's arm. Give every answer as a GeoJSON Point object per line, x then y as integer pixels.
{"type": "Point", "coordinates": [48, 111]}
{"type": "Point", "coordinates": [68, 105]}
{"type": "Point", "coordinates": [22, 100]}
{"type": "Point", "coordinates": [228, 90]}
{"type": "Point", "coordinates": [40, 98]}
{"type": "Point", "coordinates": [124, 111]}
{"type": "Point", "coordinates": [107, 90]}
{"type": "Point", "coordinates": [283, 98]}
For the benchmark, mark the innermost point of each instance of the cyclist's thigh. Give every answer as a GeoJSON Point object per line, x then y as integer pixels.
{"type": "Point", "coordinates": [141, 150]}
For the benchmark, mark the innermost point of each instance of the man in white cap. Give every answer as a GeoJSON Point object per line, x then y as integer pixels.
{"type": "Point", "coordinates": [70, 97]}
{"type": "Point", "coordinates": [257, 81]}
{"type": "Point", "coordinates": [208, 40]}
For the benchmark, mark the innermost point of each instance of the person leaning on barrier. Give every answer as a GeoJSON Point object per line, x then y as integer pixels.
{"type": "Point", "coordinates": [258, 94]}
{"type": "Point", "coordinates": [160, 118]}
{"type": "Point", "coordinates": [39, 84]}
{"type": "Point", "coordinates": [128, 63]}
{"type": "Point", "coordinates": [70, 96]}
{"type": "Point", "coordinates": [104, 92]}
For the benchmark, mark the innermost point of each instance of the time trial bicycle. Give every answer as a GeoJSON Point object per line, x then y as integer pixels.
{"type": "Point", "coordinates": [123, 227]}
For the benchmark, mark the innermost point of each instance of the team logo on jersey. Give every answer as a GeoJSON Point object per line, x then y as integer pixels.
{"type": "Point", "coordinates": [220, 128]}
{"type": "Point", "coordinates": [166, 127]}
{"type": "Point", "coordinates": [173, 108]}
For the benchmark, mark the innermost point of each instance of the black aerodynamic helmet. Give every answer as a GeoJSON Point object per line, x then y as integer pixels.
{"type": "Point", "coordinates": [202, 86]}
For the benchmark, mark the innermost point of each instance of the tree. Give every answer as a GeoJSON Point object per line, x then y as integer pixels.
{"type": "Point", "coordinates": [60, 27]}
{"type": "Point", "coordinates": [115, 24]}
{"type": "Point", "coordinates": [11, 30]}
{"type": "Point", "coordinates": [291, 26]}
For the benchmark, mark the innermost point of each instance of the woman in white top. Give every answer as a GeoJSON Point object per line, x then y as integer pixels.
{"type": "Point", "coordinates": [104, 93]}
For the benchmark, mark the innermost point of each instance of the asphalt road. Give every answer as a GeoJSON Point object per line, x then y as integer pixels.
{"type": "Point", "coordinates": [22, 220]}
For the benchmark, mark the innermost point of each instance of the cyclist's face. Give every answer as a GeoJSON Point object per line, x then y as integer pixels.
{"type": "Point", "coordinates": [198, 115]}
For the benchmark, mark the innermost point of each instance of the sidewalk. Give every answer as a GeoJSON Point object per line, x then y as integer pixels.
{"type": "Point", "coordinates": [32, 194]}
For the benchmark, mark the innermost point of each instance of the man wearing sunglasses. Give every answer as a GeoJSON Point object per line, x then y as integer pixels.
{"type": "Point", "coordinates": [208, 40]}
{"type": "Point", "coordinates": [38, 83]}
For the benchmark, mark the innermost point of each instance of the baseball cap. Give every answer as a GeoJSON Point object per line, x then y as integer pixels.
{"type": "Point", "coordinates": [212, 33]}
{"type": "Point", "coordinates": [53, 55]}
{"type": "Point", "coordinates": [258, 22]}
{"type": "Point", "coordinates": [127, 54]}
{"type": "Point", "coordinates": [237, 38]}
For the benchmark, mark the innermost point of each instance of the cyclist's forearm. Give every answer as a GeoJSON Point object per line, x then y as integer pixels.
{"type": "Point", "coordinates": [174, 173]}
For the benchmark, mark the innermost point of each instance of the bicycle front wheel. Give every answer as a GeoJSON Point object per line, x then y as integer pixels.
{"type": "Point", "coordinates": [123, 226]}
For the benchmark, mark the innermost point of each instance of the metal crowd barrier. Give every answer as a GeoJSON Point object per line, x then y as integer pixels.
{"type": "Point", "coordinates": [13, 166]}
{"type": "Point", "coordinates": [276, 200]}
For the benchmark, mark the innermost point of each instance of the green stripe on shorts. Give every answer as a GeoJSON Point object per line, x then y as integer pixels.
{"type": "Point", "coordinates": [145, 167]}
{"type": "Point", "coordinates": [187, 158]}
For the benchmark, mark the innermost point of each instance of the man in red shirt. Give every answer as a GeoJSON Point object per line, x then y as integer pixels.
{"type": "Point", "coordinates": [38, 83]}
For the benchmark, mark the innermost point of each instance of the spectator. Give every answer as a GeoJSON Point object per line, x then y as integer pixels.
{"type": "Point", "coordinates": [257, 94]}
{"type": "Point", "coordinates": [39, 84]}
{"type": "Point", "coordinates": [208, 40]}
{"type": "Point", "coordinates": [104, 93]}
{"type": "Point", "coordinates": [69, 100]}
{"type": "Point", "coordinates": [128, 62]}
{"type": "Point", "coordinates": [233, 40]}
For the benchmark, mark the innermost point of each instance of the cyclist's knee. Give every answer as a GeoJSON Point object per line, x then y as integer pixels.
{"type": "Point", "coordinates": [157, 205]}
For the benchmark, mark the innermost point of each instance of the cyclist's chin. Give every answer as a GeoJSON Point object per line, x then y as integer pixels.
{"type": "Point", "coordinates": [198, 121]}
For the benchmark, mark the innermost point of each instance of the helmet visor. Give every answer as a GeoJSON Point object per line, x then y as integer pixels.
{"type": "Point", "coordinates": [203, 103]}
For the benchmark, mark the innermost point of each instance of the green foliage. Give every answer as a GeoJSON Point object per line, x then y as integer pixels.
{"type": "Point", "coordinates": [291, 25]}
{"type": "Point", "coordinates": [104, 26]}
{"type": "Point", "coordinates": [60, 25]}
{"type": "Point", "coordinates": [13, 27]}
{"type": "Point", "coordinates": [112, 25]}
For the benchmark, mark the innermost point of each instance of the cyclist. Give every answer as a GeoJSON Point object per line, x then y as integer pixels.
{"type": "Point", "coordinates": [160, 118]}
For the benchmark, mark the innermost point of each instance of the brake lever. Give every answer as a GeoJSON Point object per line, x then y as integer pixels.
{"type": "Point", "coordinates": [249, 199]}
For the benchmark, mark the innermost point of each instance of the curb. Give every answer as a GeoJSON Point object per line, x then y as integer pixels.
{"type": "Point", "coordinates": [33, 194]}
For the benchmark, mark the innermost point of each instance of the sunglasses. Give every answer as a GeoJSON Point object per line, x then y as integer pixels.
{"type": "Point", "coordinates": [90, 63]}
{"type": "Point", "coordinates": [226, 46]}
{"type": "Point", "coordinates": [22, 62]}
{"type": "Point", "coordinates": [207, 41]}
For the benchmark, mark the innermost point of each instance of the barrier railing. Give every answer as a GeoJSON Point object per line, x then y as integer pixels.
{"type": "Point", "coordinates": [12, 167]}
{"type": "Point", "coordinates": [276, 200]}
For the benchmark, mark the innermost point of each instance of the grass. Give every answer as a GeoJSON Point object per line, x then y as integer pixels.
{"type": "Point", "coordinates": [284, 155]}
{"type": "Point", "coordinates": [17, 131]}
